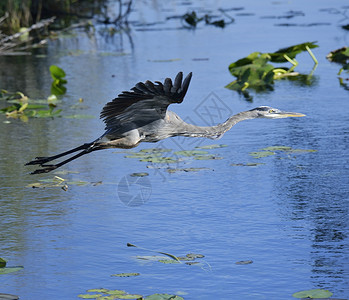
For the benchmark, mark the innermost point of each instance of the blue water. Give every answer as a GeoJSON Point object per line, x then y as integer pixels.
{"type": "Point", "coordinates": [288, 215]}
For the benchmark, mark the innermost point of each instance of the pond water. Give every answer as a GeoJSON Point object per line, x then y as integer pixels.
{"type": "Point", "coordinates": [287, 213]}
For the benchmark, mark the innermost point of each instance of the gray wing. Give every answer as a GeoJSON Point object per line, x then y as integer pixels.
{"type": "Point", "coordinates": [146, 103]}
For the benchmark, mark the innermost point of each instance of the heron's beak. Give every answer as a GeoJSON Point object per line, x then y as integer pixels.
{"type": "Point", "coordinates": [285, 114]}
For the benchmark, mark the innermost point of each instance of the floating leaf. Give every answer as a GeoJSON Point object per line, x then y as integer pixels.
{"type": "Point", "coordinates": [8, 270]}
{"type": "Point", "coordinates": [315, 293]}
{"type": "Point", "coordinates": [89, 296]}
{"type": "Point", "coordinates": [190, 152]}
{"type": "Point", "coordinates": [130, 296]}
{"type": "Point", "coordinates": [163, 297]}
{"type": "Point", "coordinates": [126, 274]}
{"type": "Point", "coordinates": [301, 151]}
{"type": "Point", "coordinates": [261, 154]}
{"type": "Point", "coordinates": [194, 255]}
{"type": "Point", "coordinates": [155, 150]}
{"type": "Point", "coordinates": [276, 148]}
{"type": "Point", "coordinates": [97, 290]}
{"type": "Point", "coordinates": [115, 292]}
{"type": "Point", "coordinates": [169, 261]}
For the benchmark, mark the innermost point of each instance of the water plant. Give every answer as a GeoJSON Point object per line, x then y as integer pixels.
{"type": "Point", "coordinates": [6, 270]}
{"type": "Point", "coordinates": [340, 56]}
{"type": "Point", "coordinates": [256, 71]}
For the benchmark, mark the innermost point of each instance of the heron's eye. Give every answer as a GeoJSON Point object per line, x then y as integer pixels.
{"type": "Point", "coordinates": [271, 111]}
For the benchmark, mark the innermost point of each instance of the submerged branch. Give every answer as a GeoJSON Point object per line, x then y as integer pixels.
{"type": "Point", "coordinates": [9, 44]}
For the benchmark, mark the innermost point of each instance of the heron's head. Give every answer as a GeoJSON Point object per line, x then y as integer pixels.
{"type": "Point", "coordinates": [273, 113]}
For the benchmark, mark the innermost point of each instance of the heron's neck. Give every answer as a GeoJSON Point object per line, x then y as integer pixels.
{"type": "Point", "coordinates": [215, 131]}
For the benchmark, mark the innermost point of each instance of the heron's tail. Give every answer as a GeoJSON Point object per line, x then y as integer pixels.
{"type": "Point", "coordinates": [86, 148]}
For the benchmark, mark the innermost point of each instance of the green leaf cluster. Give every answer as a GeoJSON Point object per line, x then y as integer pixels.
{"type": "Point", "coordinates": [57, 86]}
{"type": "Point", "coordinates": [7, 270]}
{"type": "Point", "coordinates": [256, 71]}
{"type": "Point", "coordinates": [340, 56]}
{"type": "Point", "coordinates": [192, 19]}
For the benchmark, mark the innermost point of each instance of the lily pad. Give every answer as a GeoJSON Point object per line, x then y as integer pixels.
{"type": "Point", "coordinates": [163, 297]}
{"type": "Point", "coordinates": [90, 296]}
{"type": "Point", "coordinates": [315, 293]}
{"type": "Point", "coordinates": [159, 160]}
{"type": "Point", "coordinates": [277, 148]}
{"type": "Point", "coordinates": [261, 154]}
{"type": "Point", "coordinates": [169, 261]}
{"type": "Point", "coordinates": [194, 255]}
{"type": "Point", "coordinates": [190, 152]}
{"type": "Point", "coordinates": [126, 274]}
{"type": "Point", "coordinates": [8, 270]}
{"type": "Point", "coordinates": [97, 290]}
{"type": "Point", "coordinates": [247, 164]}
{"type": "Point", "coordinates": [155, 150]}
{"type": "Point", "coordinates": [301, 151]}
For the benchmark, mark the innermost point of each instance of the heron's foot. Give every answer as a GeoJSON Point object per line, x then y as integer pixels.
{"type": "Point", "coordinates": [46, 169]}
{"type": "Point", "coordinates": [40, 160]}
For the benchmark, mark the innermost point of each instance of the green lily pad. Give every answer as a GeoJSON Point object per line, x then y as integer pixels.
{"type": "Point", "coordinates": [169, 261]}
{"type": "Point", "coordinates": [155, 150]}
{"type": "Point", "coordinates": [206, 157]}
{"type": "Point", "coordinates": [97, 290]}
{"type": "Point", "coordinates": [8, 270]}
{"type": "Point", "coordinates": [194, 255]}
{"type": "Point", "coordinates": [115, 292]}
{"type": "Point", "coordinates": [261, 154]}
{"type": "Point", "coordinates": [315, 293]}
{"type": "Point", "coordinates": [159, 160]}
{"type": "Point", "coordinates": [89, 296]}
{"type": "Point", "coordinates": [163, 297]}
{"type": "Point", "coordinates": [277, 148]}
{"type": "Point", "coordinates": [129, 296]}
{"type": "Point", "coordinates": [213, 146]}
{"type": "Point", "coordinates": [301, 151]}
{"type": "Point", "coordinates": [126, 274]}
{"type": "Point", "coordinates": [190, 152]}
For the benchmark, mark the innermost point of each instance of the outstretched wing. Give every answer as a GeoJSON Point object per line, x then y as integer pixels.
{"type": "Point", "coordinates": [146, 102]}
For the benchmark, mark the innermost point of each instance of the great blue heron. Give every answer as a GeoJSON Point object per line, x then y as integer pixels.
{"type": "Point", "coordinates": [142, 116]}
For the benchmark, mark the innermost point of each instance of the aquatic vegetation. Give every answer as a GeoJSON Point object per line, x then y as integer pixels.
{"type": "Point", "coordinates": [340, 56]}
{"type": "Point", "coordinates": [256, 71]}
{"type": "Point", "coordinates": [311, 294]}
{"type": "Point", "coordinates": [106, 294]}
{"type": "Point", "coordinates": [56, 181]}
{"type": "Point", "coordinates": [191, 20]}
{"type": "Point", "coordinates": [57, 86]}
{"type": "Point", "coordinates": [6, 270]}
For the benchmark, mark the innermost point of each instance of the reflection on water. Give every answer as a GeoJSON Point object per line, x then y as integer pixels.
{"type": "Point", "coordinates": [288, 213]}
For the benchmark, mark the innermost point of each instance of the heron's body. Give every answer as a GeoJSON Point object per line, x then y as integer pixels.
{"type": "Point", "coordinates": [142, 116]}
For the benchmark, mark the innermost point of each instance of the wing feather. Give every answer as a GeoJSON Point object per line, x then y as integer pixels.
{"type": "Point", "coordinates": [146, 102]}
